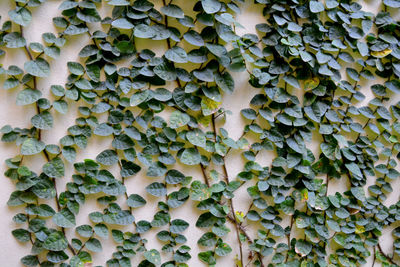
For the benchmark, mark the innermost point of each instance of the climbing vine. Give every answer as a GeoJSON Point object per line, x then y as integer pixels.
{"type": "Point", "coordinates": [152, 82]}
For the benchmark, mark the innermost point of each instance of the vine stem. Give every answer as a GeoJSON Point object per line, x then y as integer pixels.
{"type": "Point", "coordinates": [289, 236]}
{"type": "Point", "coordinates": [243, 230]}
{"type": "Point", "coordinates": [229, 200]}
{"type": "Point", "coordinates": [39, 133]}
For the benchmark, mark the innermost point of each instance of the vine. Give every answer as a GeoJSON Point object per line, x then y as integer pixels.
{"type": "Point", "coordinates": [153, 80]}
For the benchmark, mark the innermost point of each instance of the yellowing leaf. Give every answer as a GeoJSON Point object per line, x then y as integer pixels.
{"type": "Point", "coordinates": [360, 229]}
{"type": "Point", "coordinates": [209, 106]}
{"type": "Point", "coordinates": [239, 216]}
{"type": "Point", "coordinates": [304, 195]}
{"type": "Point", "coordinates": [204, 120]}
{"type": "Point", "coordinates": [311, 83]}
{"type": "Point", "coordinates": [382, 53]}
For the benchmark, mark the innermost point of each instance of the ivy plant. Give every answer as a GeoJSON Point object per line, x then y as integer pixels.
{"type": "Point", "coordinates": [321, 72]}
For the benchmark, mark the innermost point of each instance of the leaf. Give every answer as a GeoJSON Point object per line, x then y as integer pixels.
{"type": "Point", "coordinates": [43, 121]}
{"type": "Point", "coordinates": [54, 168]}
{"type": "Point", "coordinates": [139, 98]}
{"type": "Point", "coordinates": [38, 67]}
{"type": "Point", "coordinates": [21, 235]}
{"type": "Point", "coordinates": [21, 16]}
{"type": "Point", "coordinates": [135, 201]}
{"type": "Point", "coordinates": [223, 249]}
{"type": "Point", "coordinates": [61, 106]}
{"type": "Point", "coordinates": [225, 82]}
{"type": "Point", "coordinates": [177, 226]}
{"type": "Point", "coordinates": [75, 68]}
{"type": "Point", "coordinates": [122, 23]}
{"type": "Point", "coordinates": [193, 38]}
{"type": "Point", "coordinates": [196, 137]}
{"type": "Point", "coordinates": [30, 260]}
{"type": "Point", "coordinates": [381, 54]}
{"type": "Point", "coordinates": [209, 106]}
{"type": "Point", "coordinates": [303, 247]}
{"type": "Point", "coordinates": [311, 83]}
{"type": "Point", "coordinates": [64, 218]}
{"type": "Point", "coordinates": [156, 189]}
{"type": "Point", "coordinates": [153, 256]}
{"type": "Point", "coordinates": [316, 7]}
{"type": "Point", "coordinates": [208, 240]}
{"type": "Point", "coordinates": [143, 31]}
{"type": "Point", "coordinates": [174, 177]}
{"type": "Point", "coordinates": [165, 71]}
{"type": "Point", "coordinates": [107, 157]}
{"type": "Point", "coordinates": [178, 119]}
{"type": "Point", "coordinates": [358, 193]}
{"type": "Point", "coordinates": [211, 6]}
{"type": "Point", "coordinates": [32, 146]}
{"type": "Point", "coordinates": [55, 242]}
{"type": "Point", "coordinates": [176, 54]}
{"type": "Point", "coordinates": [172, 11]}
{"type": "Point", "coordinates": [354, 169]}
{"type": "Point", "coordinates": [28, 96]}
{"type": "Point", "coordinates": [190, 156]}
{"type": "Point", "coordinates": [94, 245]}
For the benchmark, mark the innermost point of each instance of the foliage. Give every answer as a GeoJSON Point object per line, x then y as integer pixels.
{"type": "Point", "coordinates": [306, 64]}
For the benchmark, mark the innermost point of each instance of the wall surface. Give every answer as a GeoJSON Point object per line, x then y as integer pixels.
{"type": "Point", "coordinates": [11, 251]}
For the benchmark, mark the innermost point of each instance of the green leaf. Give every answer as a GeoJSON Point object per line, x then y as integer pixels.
{"type": "Point", "coordinates": [316, 7]}
{"type": "Point", "coordinates": [225, 82]}
{"type": "Point", "coordinates": [21, 16]}
{"type": "Point", "coordinates": [75, 68]}
{"type": "Point", "coordinates": [143, 31]}
{"type": "Point", "coordinates": [153, 256]}
{"type": "Point", "coordinates": [14, 40]}
{"type": "Point", "coordinates": [54, 168]}
{"type": "Point", "coordinates": [177, 226]}
{"type": "Point", "coordinates": [156, 189]}
{"type": "Point", "coordinates": [43, 121]}
{"type": "Point", "coordinates": [21, 235]}
{"type": "Point", "coordinates": [207, 257]}
{"type": "Point", "coordinates": [196, 137]}
{"type": "Point", "coordinates": [190, 156]}
{"type": "Point", "coordinates": [61, 106]}
{"type": "Point", "coordinates": [122, 23]}
{"type": "Point", "coordinates": [176, 54]}
{"type": "Point", "coordinates": [94, 245]}
{"type": "Point", "coordinates": [208, 240]}
{"type": "Point", "coordinates": [32, 146]}
{"type": "Point", "coordinates": [107, 157]}
{"type": "Point", "coordinates": [303, 247]}
{"type": "Point", "coordinates": [223, 249]}
{"type": "Point", "coordinates": [101, 230]}
{"type": "Point", "coordinates": [84, 230]}
{"type": "Point", "coordinates": [178, 119]}
{"type": "Point", "coordinates": [64, 218]}
{"type": "Point", "coordinates": [139, 98]}
{"type": "Point", "coordinates": [354, 169]}
{"type": "Point", "coordinates": [38, 67]}
{"type": "Point", "coordinates": [135, 201]}
{"type": "Point", "coordinates": [174, 177]}
{"type": "Point", "coordinates": [30, 260]}
{"type": "Point", "coordinates": [211, 6]}
{"type": "Point", "coordinates": [172, 11]}
{"type": "Point", "coordinates": [193, 38]}
{"type": "Point", "coordinates": [28, 96]}
{"type": "Point", "coordinates": [55, 242]}
{"type": "Point", "coordinates": [165, 71]}
{"type": "Point", "coordinates": [358, 193]}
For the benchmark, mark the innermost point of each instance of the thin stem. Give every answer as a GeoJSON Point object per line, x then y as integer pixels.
{"type": "Point", "coordinates": [243, 230]}
{"type": "Point", "coordinates": [39, 133]}
{"type": "Point", "coordinates": [229, 200]}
